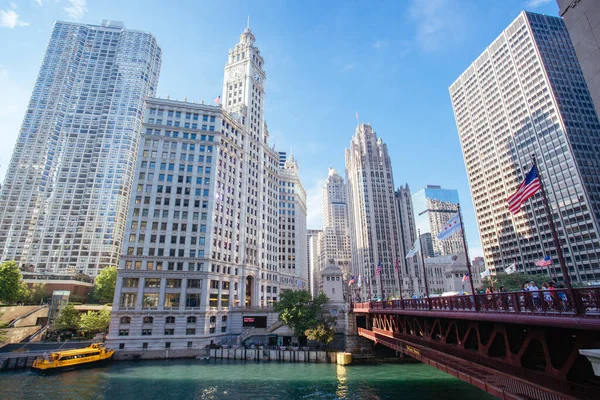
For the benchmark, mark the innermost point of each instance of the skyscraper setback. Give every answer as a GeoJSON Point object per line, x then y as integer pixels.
{"type": "Point", "coordinates": [374, 227]}
{"type": "Point", "coordinates": [67, 188]}
{"type": "Point", "coordinates": [526, 94]}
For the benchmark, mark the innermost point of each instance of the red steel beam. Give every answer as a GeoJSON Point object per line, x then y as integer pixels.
{"type": "Point", "coordinates": [520, 318]}
{"type": "Point", "coordinates": [494, 382]}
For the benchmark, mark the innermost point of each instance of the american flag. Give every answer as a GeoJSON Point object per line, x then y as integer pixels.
{"type": "Point", "coordinates": [351, 282]}
{"type": "Point", "coordinates": [544, 262]}
{"type": "Point", "coordinates": [218, 100]}
{"type": "Point", "coordinates": [528, 188]}
{"type": "Point", "coordinates": [466, 277]}
{"type": "Point", "coordinates": [378, 270]}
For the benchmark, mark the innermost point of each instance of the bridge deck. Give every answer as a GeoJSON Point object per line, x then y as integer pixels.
{"type": "Point", "coordinates": [548, 308]}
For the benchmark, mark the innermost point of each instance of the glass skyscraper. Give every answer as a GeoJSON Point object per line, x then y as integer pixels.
{"type": "Point", "coordinates": [433, 208]}
{"type": "Point", "coordinates": [64, 200]}
{"type": "Point", "coordinates": [524, 95]}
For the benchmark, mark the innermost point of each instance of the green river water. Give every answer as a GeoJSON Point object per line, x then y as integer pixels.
{"type": "Point", "coordinates": [226, 379]}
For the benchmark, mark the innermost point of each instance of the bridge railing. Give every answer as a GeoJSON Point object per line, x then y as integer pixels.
{"type": "Point", "coordinates": [556, 302]}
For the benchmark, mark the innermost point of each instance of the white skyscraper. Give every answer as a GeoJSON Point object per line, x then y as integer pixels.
{"type": "Point", "coordinates": [526, 94]}
{"type": "Point", "coordinates": [293, 260]}
{"type": "Point", "coordinates": [374, 227]}
{"type": "Point", "coordinates": [203, 225]}
{"type": "Point", "coordinates": [313, 260]}
{"type": "Point", "coordinates": [335, 239]}
{"type": "Point", "coordinates": [65, 197]}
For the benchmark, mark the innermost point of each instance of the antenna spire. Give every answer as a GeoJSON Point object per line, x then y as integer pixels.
{"type": "Point", "coordinates": [248, 25]}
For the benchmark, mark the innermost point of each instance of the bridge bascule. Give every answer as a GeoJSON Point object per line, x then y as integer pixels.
{"type": "Point", "coordinates": [514, 345]}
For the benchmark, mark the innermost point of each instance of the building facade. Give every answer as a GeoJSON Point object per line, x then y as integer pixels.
{"type": "Point", "coordinates": [313, 260]}
{"type": "Point", "coordinates": [293, 261]}
{"type": "Point", "coordinates": [203, 227]}
{"type": "Point", "coordinates": [410, 274]}
{"type": "Point", "coordinates": [434, 207]}
{"type": "Point", "coordinates": [526, 94]}
{"type": "Point", "coordinates": [336, 230]}
{"type": "Point", "coordinates": [64, 201]}
{"type": "Point", "coordinates": [374, 227]}
{"type": "Point", "coordinates": [582, 18]}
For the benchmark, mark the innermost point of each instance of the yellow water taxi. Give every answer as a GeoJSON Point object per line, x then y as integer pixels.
{"type": "Point", "coordinates": [71, 359]}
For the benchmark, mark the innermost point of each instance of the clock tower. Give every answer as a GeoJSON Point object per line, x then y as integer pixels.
{"type": "Point", "coordinates": [244, 84]}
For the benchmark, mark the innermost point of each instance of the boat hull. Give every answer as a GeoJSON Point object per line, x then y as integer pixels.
{"type": "Point", "coordinates": [70, 367]}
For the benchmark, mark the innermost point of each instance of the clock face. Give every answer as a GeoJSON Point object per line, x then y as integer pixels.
{"type": "Point", "coordinates": [235, 74]}
{"type": "Point", "coordinates": [257, 77]}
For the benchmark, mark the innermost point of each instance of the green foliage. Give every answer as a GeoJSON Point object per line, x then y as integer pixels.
{"type": "Point", "coordinates": [38, 292]}
{"type": "Point", "coordinates": [10, 277]}
{"type": "Point", "coordinates": [514, 282]}
{"type": "Point", "coordinates": [24, 294]}
{"type": "Point", "coordinates": [67, 319]}
{"type": "Point", "coordinates": [298, 310]}
{"type": "Point", "coordinates": [104, 285]}
{"type": "Point", "coordinates": [95, 321]}
{"type": "Point", "coordinates": [321, 333]}
{"type": "Point", "coordinates": [2, 330]}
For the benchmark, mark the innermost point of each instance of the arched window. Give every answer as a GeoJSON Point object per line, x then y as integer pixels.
{"type": "Point", "coordinates": [191, 320]}
{"type": "Point", "coordinates": [170, 320]}
{"type": "Point", "coordinates": [148, 320]}
{"type": "Point", "coordinates": [224, 318]}
{"type": "Point", "coordinates": [213, 319]}
{"type": "Point", "coordinates": [125, 320]}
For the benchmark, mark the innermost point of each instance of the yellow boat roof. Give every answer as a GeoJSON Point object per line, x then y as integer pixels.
{"type": "Point", "coordinates": [75, 351]}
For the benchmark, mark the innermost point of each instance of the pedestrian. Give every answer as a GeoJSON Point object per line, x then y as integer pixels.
{"type": "Point", "coordinates": [536, 294]}
{"type": "Point", "coordinates": [502, 289]}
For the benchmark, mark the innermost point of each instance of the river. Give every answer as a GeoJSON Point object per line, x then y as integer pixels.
{"type": "Point", "coordinates": [226, 379]}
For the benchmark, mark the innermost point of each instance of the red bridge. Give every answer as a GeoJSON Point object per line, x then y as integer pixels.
{"type": "Point", "coordinates": [514, 345]}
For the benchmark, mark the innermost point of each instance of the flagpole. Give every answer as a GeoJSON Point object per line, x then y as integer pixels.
{"type": "Point", "coordinates": [557, 243]}
{"type": "Point", "coordinates": [380, 281]}
{"type": "Point", "coordinates": [369, 285]}
{"type": "Point", "coordinates": [464, 240]}
{"type": "Point", "coordinates": [424, 272]}
{"type": "Point", "coordinates": [398, 277]}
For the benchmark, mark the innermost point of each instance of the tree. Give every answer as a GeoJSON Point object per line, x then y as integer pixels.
{"type": "Point", "coordinates": [2, 330]}
{"type": "Point", "coordinates": [67, 319]}
{"type": "Point", "coordinates": [38, 293]}
{"type": "Point", "coordinates": [514, 282]}
{"type": "Point", "coordinates": [10, 277]}
{"type": "Point", "coordinates": [323, 333]}
{"type": "Point", "coordinates": [24, 294]}
{"type": "Point", "coordinates": [298, 310]}
{"type": "Point", "coordinates": [95, 321]}
{"type": "Point", "coordinates": [104, 285]}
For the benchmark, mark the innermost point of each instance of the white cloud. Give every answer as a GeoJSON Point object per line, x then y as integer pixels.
{"type": "Point", "coordinates": [10, 19]}
{"type": "Point", "coordinates": [537, 3]}
{"type": "Point", "coordinates": [39, 2]}
{"type": "Point", "coordinates": [314, 217]}
{"type": "Point", "coordinates": [76, 8]}
{"type": "Point", "coordinates": [438, 23]}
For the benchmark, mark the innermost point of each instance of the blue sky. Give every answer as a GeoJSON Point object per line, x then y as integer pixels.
{"type": "Point", "coordinates": [390, 61]}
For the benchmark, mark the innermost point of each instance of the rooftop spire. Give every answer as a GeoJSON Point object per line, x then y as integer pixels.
{"type": "Point", "coordinates": [248, 24]}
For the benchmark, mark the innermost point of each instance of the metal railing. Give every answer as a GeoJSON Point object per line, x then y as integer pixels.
{"type": "Point", "coordinates": [556, 302]}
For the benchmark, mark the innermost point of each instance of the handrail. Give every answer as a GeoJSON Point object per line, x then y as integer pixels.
{"type": "Point", "coordinates": [555, 302]}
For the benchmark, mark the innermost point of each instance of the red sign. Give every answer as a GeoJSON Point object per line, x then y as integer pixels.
{"type": "Point", "coordinates": [251, 319]}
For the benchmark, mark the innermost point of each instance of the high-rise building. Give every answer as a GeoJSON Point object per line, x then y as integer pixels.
{"type": "Point", "coordinates": [434, 207]}
{"type": "Point", "coordinates": [203, 224]}
{"type": "Point", "coordinates": [374, 226]}
{"type": "Point", "coordinates": [65, 197]}
{"type": "Point", "coordinates": [582, 18]}
{"type": "Point", "coordinates": [336, 231]}
{"type": "Point", "coordinates": [313, 260]}
{"type": "Point", "coordinates": [526, 94]}
{"type": "Point", "coordinates": [410, 274]}
{"type": "Point", "coordinates": [293, 262]}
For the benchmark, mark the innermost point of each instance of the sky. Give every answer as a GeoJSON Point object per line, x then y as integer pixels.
{"type": "Point", "coordinates": [390, 61]}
